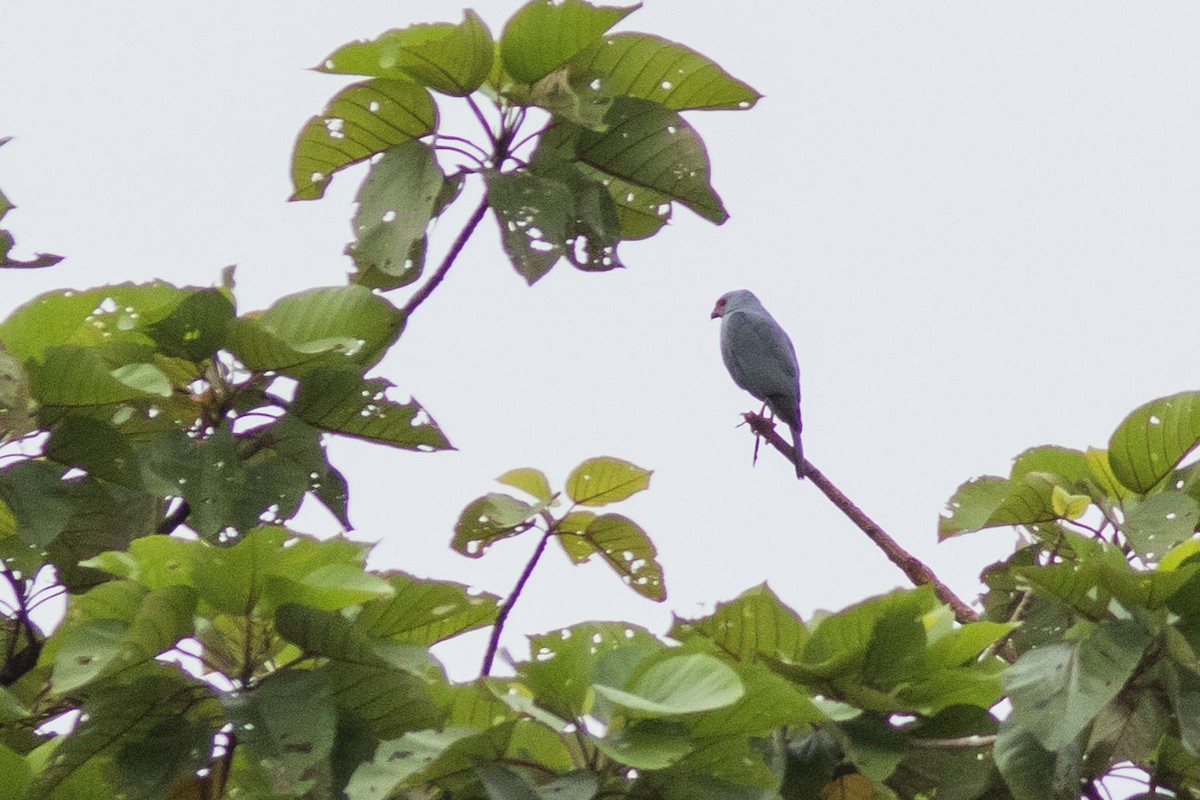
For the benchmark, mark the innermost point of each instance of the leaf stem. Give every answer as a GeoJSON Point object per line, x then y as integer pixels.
{"type": "Point", "coordinates": [423, 293]}
{"type": "Point", "coordinates": [506, 607]}
{"type": "Point", "coordinates": [916, 571]}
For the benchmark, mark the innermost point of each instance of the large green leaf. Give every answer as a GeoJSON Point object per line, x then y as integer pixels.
{"type": "Point", "coordinates": [1160, 522]}
{"type": "Point", "coordinates": [340, 400]}
{"type": "Point", "coordinates": [488, 519]}
{"type": "Point", "coordinates": [679, 684]}
{"type": "Point", "coordinates": [1027, 767]}
{"type": "Point", "coordinates": [425, 612]}
{"type": "Point", "coordinates": [651, 146]}
{"type": "Point", "coordinates": [626, 548]}
{"type": "Point", "coordinates": [71, 375]}
{"type": "Point", "coordinates": [665, 72]}
{"type": "Point", "coordinates": [543, 35]}
{"type": "Point", "coordinates": [604, 479]}
{"type": "Point", "coordinates": [287, 722]}
{"type": "Point", "coordinates": [1152, 440]}
{"type": "Point", "coordinates": [397, 761]}
{"type": "Point", "coordinates": [453, 59]}
{"type": "Point", "coordinates": [842, 643]}
{"type": "Point", "coordinates": [1058, 688]}
{"type": "Point", "coordinates": [990, 502]}
{"type": "Point", "coordinates": [155, 729]}
{"type": "Point", "coordinates": [395, 204]}
{"type": "Point", "coordinates": [533, 214]}
{"type": "Point", "coordinates": [565, 663]}
{"type": "Point", "coordinates": [103, 644]}
{"type": "Point", "coordinates": [122, 312]}
{"type": "Point", "coordinates": [362, 120]}
{"type": "Point", "coordinates": [195, 329]}
{"type": "Point", "coordinates": [95, 447]}
{"type": "Point", "coordinates": [755, 624]}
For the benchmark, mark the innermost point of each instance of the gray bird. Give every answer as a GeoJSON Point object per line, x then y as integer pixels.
{"type": "Point", "coordinates": [760, 357]}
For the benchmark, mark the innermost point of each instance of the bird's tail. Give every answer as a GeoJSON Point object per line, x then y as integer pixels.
{"type": "Point", "coordinates": [799, 452]}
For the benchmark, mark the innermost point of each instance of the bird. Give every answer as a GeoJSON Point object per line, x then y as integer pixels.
{"type": "Point", "coordinates": [761, 359]}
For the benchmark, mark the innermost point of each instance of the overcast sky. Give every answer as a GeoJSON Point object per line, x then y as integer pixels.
{"type": "Point", "coordinates": [977, 220]}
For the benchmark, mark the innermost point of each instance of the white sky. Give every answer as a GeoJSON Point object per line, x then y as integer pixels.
{"type": "Point", "coordinates": [977, 220]}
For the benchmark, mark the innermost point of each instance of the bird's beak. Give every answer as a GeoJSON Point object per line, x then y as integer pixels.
{"type": "Point", "coordinates": [718, 310]}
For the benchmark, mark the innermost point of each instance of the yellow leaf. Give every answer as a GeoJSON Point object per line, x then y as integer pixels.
{"type": "Point", "coordinates": [1069, 506]}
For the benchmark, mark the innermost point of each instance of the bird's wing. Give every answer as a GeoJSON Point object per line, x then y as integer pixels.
{"type": "Point", "coordinates": [760, 356]}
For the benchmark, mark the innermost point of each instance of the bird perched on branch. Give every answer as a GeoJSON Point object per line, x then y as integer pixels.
{"type": "Point", "coordinates": [760, 357]}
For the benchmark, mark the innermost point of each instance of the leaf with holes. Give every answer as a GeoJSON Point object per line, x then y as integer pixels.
{"type": "Point", "coordinates": [755, 624]}
{"type": "Point", "coordinates": [362, 120]}
{"type": "Point", "coordinates": [395, 205]}
{"type": "Point", "coordinates": [127, 625]}
{"type": "Point", "coordinates": [316, 327]}
{"type": "Point", "coordinates": [533, 214]}
{"type": "Point", "coordinates": [654, 147]}
{"type": "Point", "coordinates": [1160, 522]}
{"type": "Point", "coordinates": [287, 723]}
{"type": "Point", "coordinates": [665, 72]}
{"type": "Point", "coordinates": [627, 549]}
{"type": "Point", "coordinates": [1057, 689]}
{"type": "Point", "coordinates": [424, 612]}
{"type": "Point", "coordinates": [448, 58]}
{"type": "Point", "coordinates": [603, 480]}
{"type": "Point", "coordinates": [489, 519]}
{"type": "Point", "coordinates": [195, 329]}
{"type": "Point", "coordinates": [95, 447]}
{"type": "Point", "coordinates": [1152, 440]}
{"type": "Point", "coordinates": [340, 400]}
{"type": "Point", "coordinates": [990, 502]}
{"type": "Point", "coordinates": [542, 36]}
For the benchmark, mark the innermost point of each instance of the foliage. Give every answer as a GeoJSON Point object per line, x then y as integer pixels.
{"type": "Point", "coordinates": [158, 441]}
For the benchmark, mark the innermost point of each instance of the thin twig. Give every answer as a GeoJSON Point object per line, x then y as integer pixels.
{"type": "Point", "coordinates": [423, 293]}
{"type": "Point", "coordinates": [482, 119]}
{"type": "Point", "coordinates": [918, 573]}
{"type": "Point", "coordinates": [506, 607]}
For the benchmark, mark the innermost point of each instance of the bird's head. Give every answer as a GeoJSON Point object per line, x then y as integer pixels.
{"type": "Point", "coordinates": [732, 301]}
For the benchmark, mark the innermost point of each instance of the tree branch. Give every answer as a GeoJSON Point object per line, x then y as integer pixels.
{"type": "Point", "coordinates": [916, 571]}
{"type": "Point", "coordinates": [447, 262]}
{"type": "Point", "coordinates": [506, 607]}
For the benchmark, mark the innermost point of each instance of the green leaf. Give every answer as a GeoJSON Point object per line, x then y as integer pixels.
{"type": "Point", "coordinates": [755, 624]}
{"type": "Point", "coordinates": [1027, 767]}
{"type": "Point", "coordinates": [156, 728]}
{"type": "Point", "coordinates": [70, 375]}
{"type": "Point", "coordinates": [287, 721]}
{"type": "Point", "coordinates": [317, 327]}
{"type": "Point", "coordinates": [626, 548]}
{"type": "Point", "coordinates": [653, 147]}
{"type": "Point", "coordinates": [682, 684]}
{"type": "Point", "coordinates": [665, 72]}
{"type": "Point", "coordinates": [1160, 522]}
{"type": "Point", "coordinates": [340, 400]}
{"type": "Point", "coordinates": [1062, 461]}
{"type": "Point", "coordinates": [398, 760]}
{"type": "Point", "coordinates": [425, 612]}
{"type": "Point", "coordinates": [489, 519]}
{"type": "Point", "coordinates": [603, 480]}
{"type": "Point", "coordinates": [963, 645]}
{"type": "Point", "coordinates": [543, 35]}
{"type": "Point", "coordinates": [195, 329]}
{"type": "Point", "coordinates": [395, 205]}
{"type": "Point", "coordinates": [95, 447]}
{"type": "Point", "coordinates": [100, 646]}
{"type": "Point", "coordinates": [1102, 473]}
{"type": "Point", "coordinates": [153, 561]}
{"type": "Point", "coordinates": [120, 313]}
{"type": "Point", "coordinates": [16, 409]}
{"type": "Point", "coordinates": [533, 214]}
{"type": "Point", "coordinates": [840, 643]}
{"type": "Point", "coordinates": [992, 502]}
{"type": "Point", "coordinates": [1057, 689]}
{"type": "Point", "coordinates": [770, 702]}
{"type": "Point", "coordinates": [1153, 439]}
{"type": "Point", "coordinates": [1067, 505]}
{"type": "Point", "coordinates": [529, 480]}
{"type": "Point", "coordinates": [328, 586]}
{"type": "Point", "coordinates": [565, 663]}
{"type": "Point", "coordinates": [452, 59]}
{"type": "Point", "coordinates": [363, 119]}
{"type": "Point", "coordinates": [15, 775]}
{"type": "Point", "coordinates": [647, 745]}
